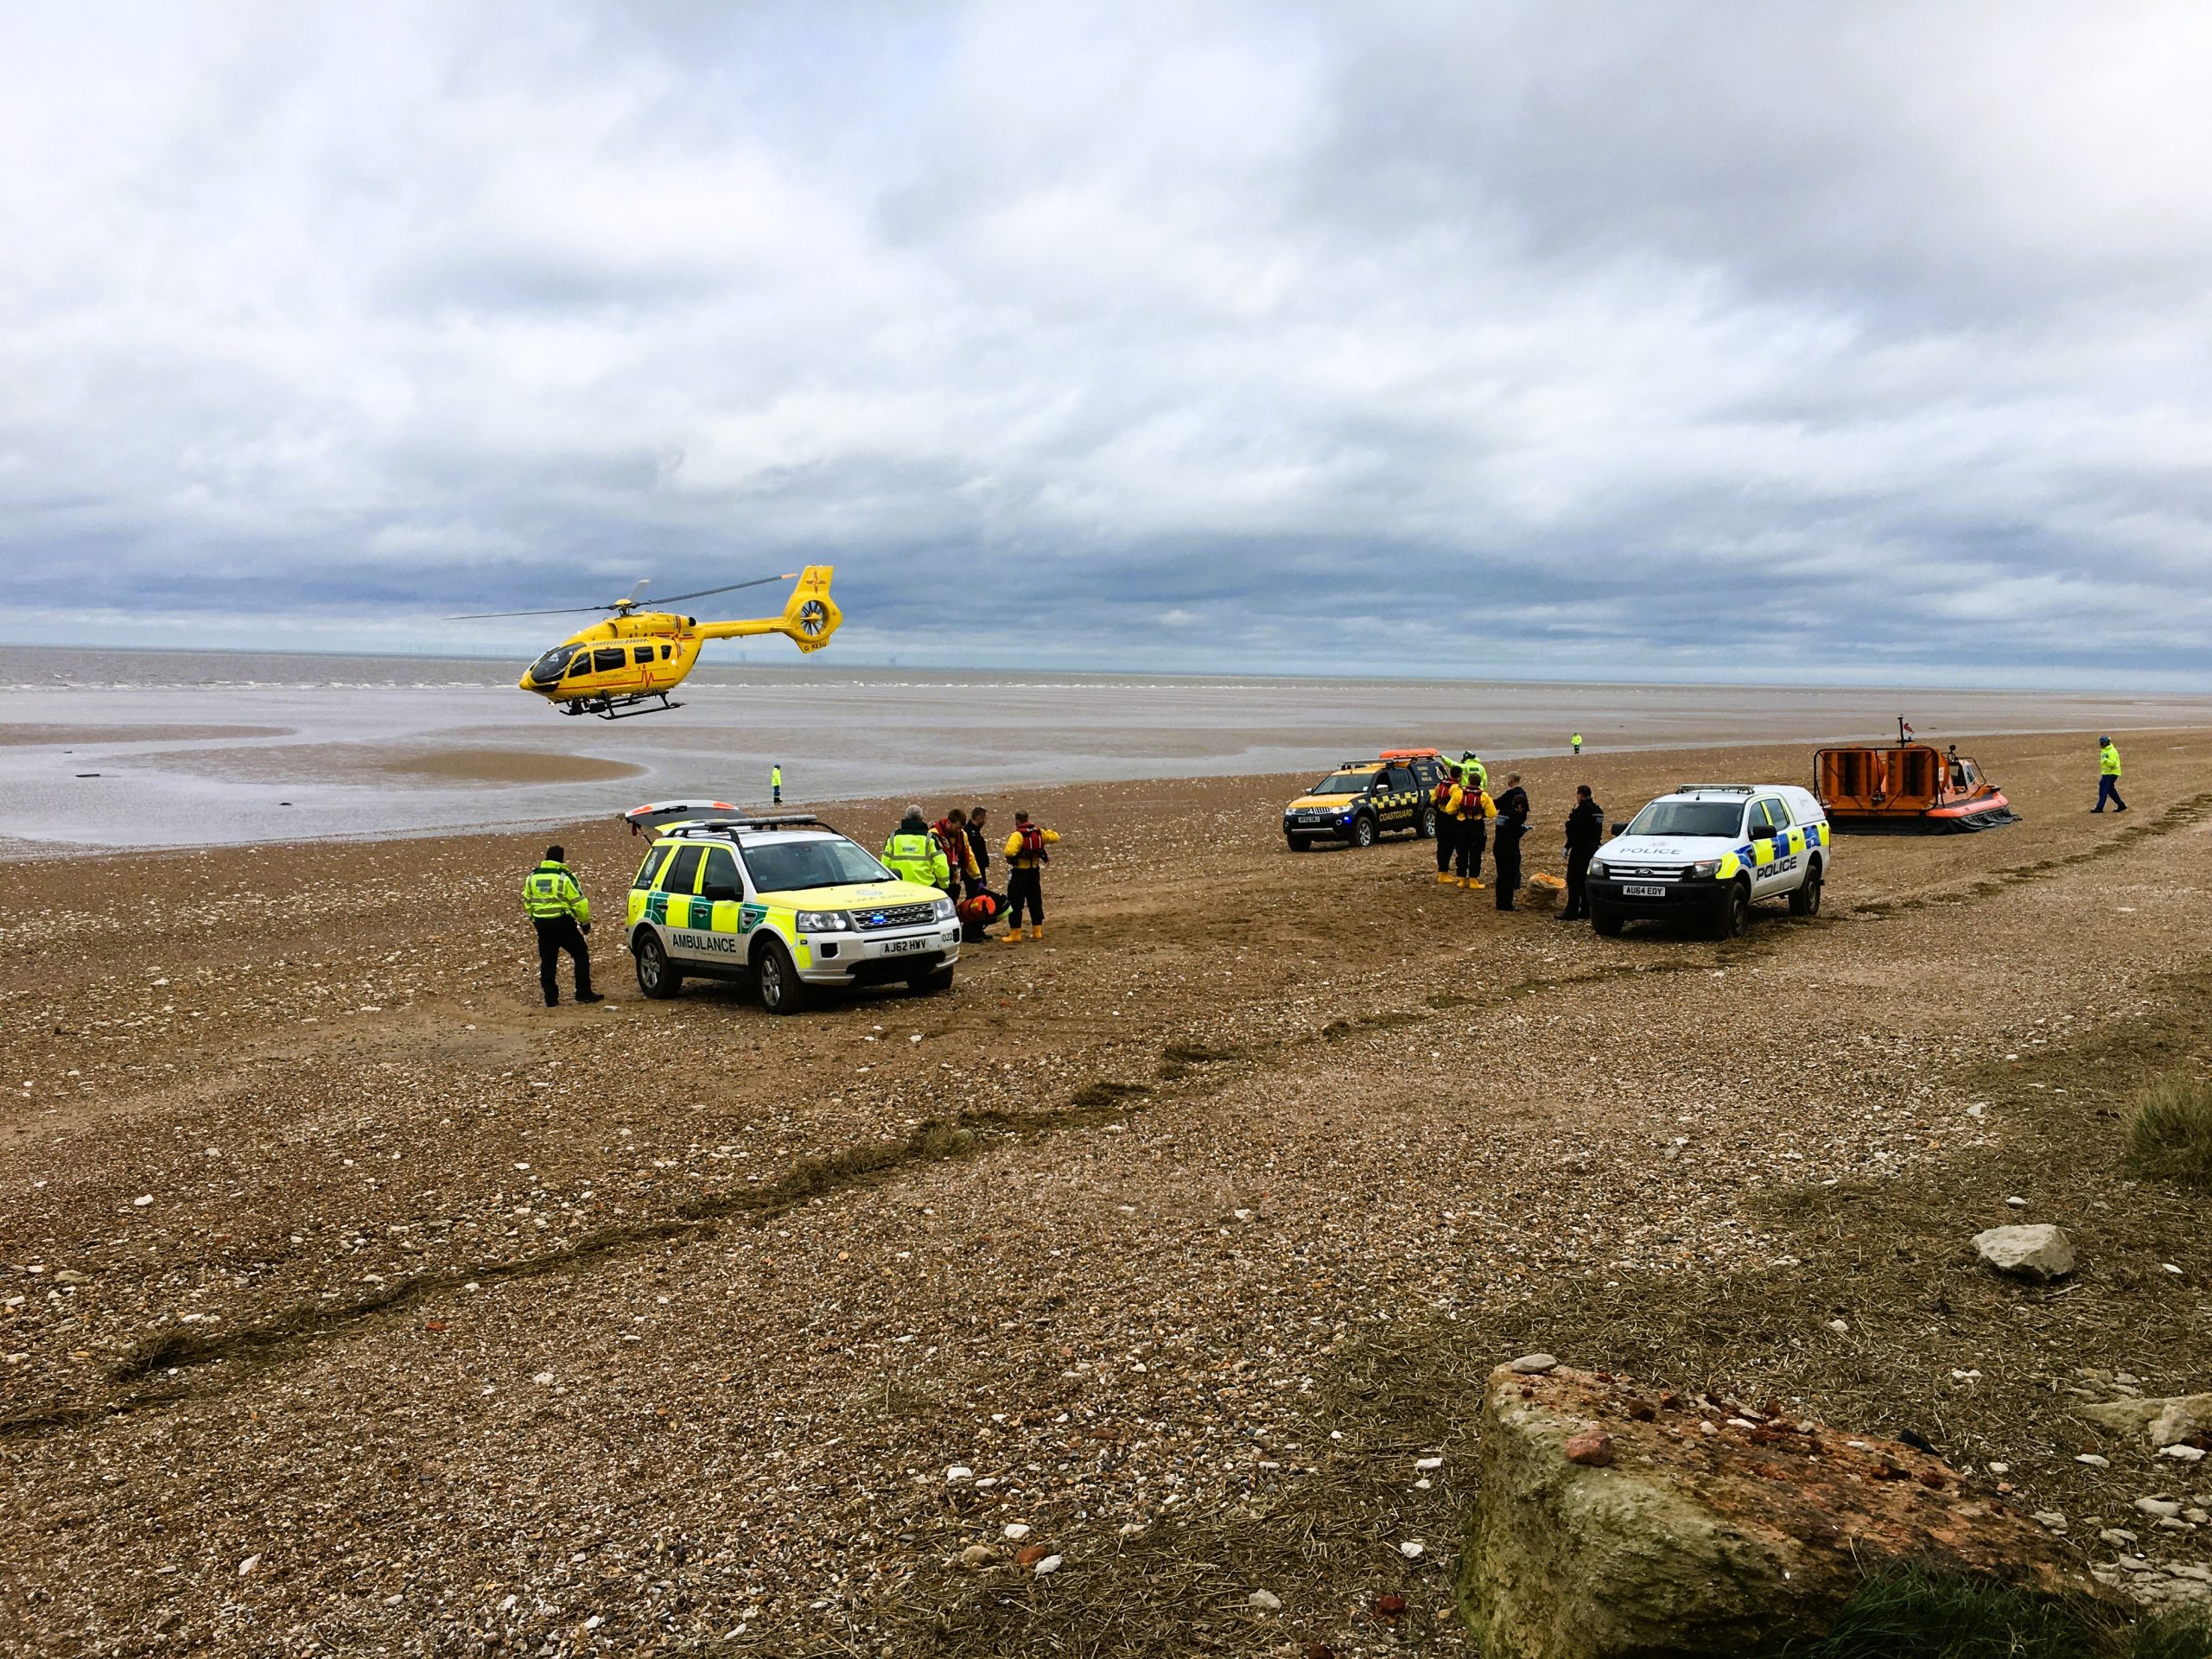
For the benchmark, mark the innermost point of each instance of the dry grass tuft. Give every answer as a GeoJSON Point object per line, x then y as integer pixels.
{"type": "Point", "coordinates": [2171, 1137]}
{"type": "Point", "coordinates": [1922, 1614]}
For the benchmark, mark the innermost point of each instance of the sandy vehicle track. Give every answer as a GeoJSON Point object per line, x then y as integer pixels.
{"type": "Point", "coordinates": [1186, 1235]}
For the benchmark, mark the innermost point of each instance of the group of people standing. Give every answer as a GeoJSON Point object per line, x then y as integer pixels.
{"type": "Point", "coordinates": [954, 854]}
{"type": "Point", "coordinates": [1468, 817]}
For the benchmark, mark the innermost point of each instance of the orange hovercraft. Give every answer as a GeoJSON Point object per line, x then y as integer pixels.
{"type": "Point", "coordinates": [1907, 788]}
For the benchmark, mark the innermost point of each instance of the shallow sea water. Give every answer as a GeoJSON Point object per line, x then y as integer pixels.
{"type": "Point", "coordinates": [205, 748]}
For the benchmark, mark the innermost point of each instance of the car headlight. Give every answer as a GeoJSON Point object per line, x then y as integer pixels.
{"type": "Point", "coordinates": [824, 921]}
{"type": "Point", "coordinates": [946, 910]}
{"type": "Point", "coordinates": [1705, 869]}
{"type": "Point", "coordinates": [1597, 868]}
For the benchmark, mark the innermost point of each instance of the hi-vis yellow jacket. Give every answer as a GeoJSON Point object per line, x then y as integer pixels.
{"type": "Point", "coordinates": [550, 890]}
{"type": "Point", "coordinates": [914, 855]}
{"type": "Point", "coordinates": [2109, 760]}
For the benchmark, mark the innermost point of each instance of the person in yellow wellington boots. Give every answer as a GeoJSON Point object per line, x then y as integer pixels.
{"type": "Point", "coordinates": [1025, 886]}
{"type": "Point", "coordinates": [1446, 799]}
{"type": "Point", "coordinates": [1476, 811]}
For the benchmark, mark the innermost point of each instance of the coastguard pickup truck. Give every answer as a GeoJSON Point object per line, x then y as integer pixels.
{"type": "Point", "coordinates": [1706, 852]}
{"type": "Point", "coordinates": [1361, 799]}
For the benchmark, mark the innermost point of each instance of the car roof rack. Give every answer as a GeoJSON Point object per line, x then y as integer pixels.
{"type": "Point", "coordinates": [1718, 789]}
{"type": "Point", "coordinates": [729, 826]}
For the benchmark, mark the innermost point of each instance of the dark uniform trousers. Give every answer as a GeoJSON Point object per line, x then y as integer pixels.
{"type": "Point", "coordinates": [555, 934]}
{"type": "Point", "coordinates": [1578, 882]}
{"type": "Point", "coordinates": [1446, 833]}
{"type": "Point", "coordinates": [1469, 834]}
{"type": "Point", "coordinates": [1025, 888]}
{"type": "Point", "coordinates": [1505, 852]}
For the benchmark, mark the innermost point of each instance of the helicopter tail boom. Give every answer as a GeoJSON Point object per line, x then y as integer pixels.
{"type": "Point", "coordinates": [809, 619]}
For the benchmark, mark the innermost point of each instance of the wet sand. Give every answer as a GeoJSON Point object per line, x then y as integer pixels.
{"type": "Point", "coordinates": [353, 748]}
{"type": "Point", "coordinates": [355, 1302]}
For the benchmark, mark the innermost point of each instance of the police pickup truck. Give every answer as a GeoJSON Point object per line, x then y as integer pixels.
{"type": "Point", "coordinates": [1707, 851]}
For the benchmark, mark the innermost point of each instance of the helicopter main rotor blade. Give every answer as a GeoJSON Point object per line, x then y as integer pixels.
{"type": "Point", "coordinates": [758, 581]}
{"type": "Point", "coordinates": [564, 610]}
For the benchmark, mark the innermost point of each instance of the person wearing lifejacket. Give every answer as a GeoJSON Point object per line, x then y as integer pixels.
{"type": "Point", "coordinates": [2108, 775]}
{"type": "Point", "coordinates": [977, 911]}
{"type": "Point", "coordinates": [558, 910]}
{"type": "Point", "coordinates": [951, 833]}
{"type": "Point", "coordinates": [1505, 843]}
{"type": "Point", "coordinates": [1475, 811]}
{"type": "Point", "coordinates": [776, 783]}
{"type": "Point", "coordinates": [912, 853]}
{"type": "Point", "coordinates": [1446, 798]}
{"type": "Point", "coordinates": [1586, 833]}
{"type": "Point", "coordinates": [1025, 886]}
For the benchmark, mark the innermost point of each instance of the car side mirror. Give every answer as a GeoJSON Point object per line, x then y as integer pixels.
{"type": "Point", "coordinates": [1761, 832]}
{"type": "Point", "coordinates": [1617, 828]}
{"type": "Point", "coordinates": [717, 892]}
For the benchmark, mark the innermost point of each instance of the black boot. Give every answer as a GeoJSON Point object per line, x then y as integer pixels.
{"type": "Point", "coordinates": [589, 996]}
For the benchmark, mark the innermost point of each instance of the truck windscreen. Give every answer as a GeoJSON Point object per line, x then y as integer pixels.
{"type": "Point", "coordinates": [1717, 818]}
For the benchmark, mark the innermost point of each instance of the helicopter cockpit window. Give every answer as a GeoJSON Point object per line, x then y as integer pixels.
{"type": "Point", "coordinates": [547, 668]}
{"type": "Point", "coordinates": [608, 658]}
{"type": "Point", "coordinates": [582, 666]}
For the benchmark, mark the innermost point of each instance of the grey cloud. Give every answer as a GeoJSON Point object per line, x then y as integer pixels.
{"type": "Point", "coordinates": [1577, 338]}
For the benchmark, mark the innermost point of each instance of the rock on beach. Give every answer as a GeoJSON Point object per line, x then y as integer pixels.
{"type": "Point", "coordinates": [1714, 1529]}
{"type": "Point", "coordinates": [2039, 1253]}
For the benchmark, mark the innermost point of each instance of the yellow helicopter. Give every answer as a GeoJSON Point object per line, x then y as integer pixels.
{"type": "Point", "coordinates": [629, 663]}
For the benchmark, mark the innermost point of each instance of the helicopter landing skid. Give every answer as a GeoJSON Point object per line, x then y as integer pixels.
{"type": "Point", "coordinates": [643, 703]}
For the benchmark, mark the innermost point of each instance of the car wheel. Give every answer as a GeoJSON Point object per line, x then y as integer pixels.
{"type": "Point", "coordinates": [1425, 825]}
{"type": "Point", "coordinates": [656, 976]}
{"type": "Point", "coordinates": [1735, 918]}
{"type": "Point", "coordinates": [1607, 922]}
{"type": "Point", "coordinates": [1806, 901]}
{"type": "Point", "coordinates": [1299, 843]}
{"type": "Point", "coordinates": [929, 983]}
{"type": "Point", "coordinates": [782, 991]}
{"type": "Point", "coordinates": [1363, 831]}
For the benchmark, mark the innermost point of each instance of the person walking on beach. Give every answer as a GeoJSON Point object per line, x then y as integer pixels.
{"type": "Point", "coordinates": [979, 849]}
{"type": "Point", "coordinates": [1505, 844]}
{"type": "Point", "coordinates": [1025, 886]}
{"type": "Point", "coordinates": [1577, 741]}
{"type": "Point", "coordinates": [951, 832]}
{"type": "Point", "coordinates": [2108, 775]}
{"type": "Point", "coordinates": [912, 853]}
{"type": "Point", "coordinates": [776, 783]}
{"type": "Point", "coordinates": [558, 910]}
{"type": "Point", "coordinates": [1476, 811]}
{"type": "Point", "coordinates": [1586, 833]}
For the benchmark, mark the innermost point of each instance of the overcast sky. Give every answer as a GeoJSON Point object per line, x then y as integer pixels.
{"type": "Point", "coordinates": [1639, 340]}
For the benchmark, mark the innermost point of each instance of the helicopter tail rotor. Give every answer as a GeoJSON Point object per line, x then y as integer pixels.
{"type": "Point", "coordinates": [811, 616]}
